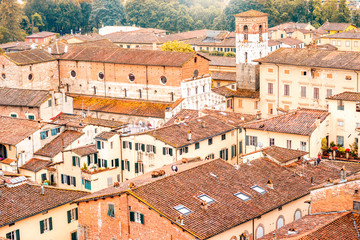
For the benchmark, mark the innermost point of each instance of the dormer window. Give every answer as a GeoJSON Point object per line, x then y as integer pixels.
{"type": "Point", "coordinates": [183, 210]}
{"type": "Point", "coordinates": [258, 189]}
{"type": "Point", "coordinates": [206, 198]}
{"type": "Point", "coordinates": [242, 196]}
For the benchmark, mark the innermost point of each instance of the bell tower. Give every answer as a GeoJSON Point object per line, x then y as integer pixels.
{"type": "Point", "coordinates": [251, 44]}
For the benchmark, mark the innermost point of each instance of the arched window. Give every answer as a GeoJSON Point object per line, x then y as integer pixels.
{"type": "Point", "coordinates": [297, 214]}
{"type": "Point", "coordinates": [67, 87]}
{"type": "Point", "coordinates": [260, 32]}
{"type": "Point", "coordinates": [280, 222]}
{"type": "Point", "coordinates": [196, 73]}
{"type": "Point", "coordinates": [94, 90]}
{"type": "Point", "coordinates": [131, 77]}
{"type": "Point", "coordinates": [246, 33]}
{"type": "Point", "coordinates": [101, 75]}
{"type": "Point", "coordinates": [3, 153]}
{"type": "Point", "coordinates": [125, 92]}
{"type": "Point", "coordinates": [30, 77]}
{"type": "Point", "coordinates": [246, 57]}
{"type": "Point", "coordinates": [73, 73]}
{"type": "Point", "coordinates": [140, 93]}
{"type": "Point", "coordinates": [171, 96]}
{"type": "Point", "coordinates": [259, 231]}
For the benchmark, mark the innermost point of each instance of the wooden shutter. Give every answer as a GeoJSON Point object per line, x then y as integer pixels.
{"type": "Point", "coordinates": [76, 214]}
{"type": "Point", "coordinates": [69, 216]}
{"type": "Point", "coordinates": [95, 158]}
{"type": "Point", "coordinates": [247, 141]}
{"type": "Point", "coordinates": [142, 218]}
{"type": "Point", "coordinates": [98, 144]}
{"type": "Point", "coordinates": [105, 164]}
{"type": "Point", "coordinates": [128, 165]}
{"type": "Point", "coordinates": [132, 216]}
{"type": "Point", "coordinates": [226, 154]}
{"type": "Point", "coordinates": [154, 149]}
{"type": "Point", "coordinates": [136, 146]}
{"type": "Point", "coordinates": [130, 145]}
{"type": "Point", "coordinates": [88, 160]}
{"type": "Point", "coordinates": [221, 154]}
{"type": "Point", "coordinates": [143, 147]}
{"type": "Point", "coordinates": [116, 162]}
{"type": "Point", "coordinates": [136, 167]}
{"type": "Point", "coordinates": [62, 178]}
{"type": "Point", "coordinates": [17, 233]}
{"type": "Point", "coordinates": [124, 144]}
{"type": "Point", "coordinates": [170, 151]}
{"type": "Point", "coordinates": [164, 151]}
{"type": "Point", "coordinates": [42, 226]}
{"type": "Point", "coordinates": [50, 224]}
{"type": "Point", "coordinates": [8, 236]}
{"type": "Point", "coordinates": [122, 165]}
{"type": "Point", "coordinates": [74, 161]}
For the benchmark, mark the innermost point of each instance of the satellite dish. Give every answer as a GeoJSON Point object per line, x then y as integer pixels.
{"type": "Point", "coordinates": [260, 144]}
{"type": "Point", "coordinates": [174, 168]}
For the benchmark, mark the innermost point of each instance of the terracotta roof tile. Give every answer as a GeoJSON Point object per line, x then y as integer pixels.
{"type": "Point", "coordinates": [13, 135]}
{"type": "Point", "coordinates": [240, 93]}
{"type": "Point", "coordinates": [300, 121]}
{"type": "Point", "coordinates": [8, 161]}
{"type": "Point", "coordinates": [201, 128]}
{"type": "Point", "coordinates": [35, 164]}
{"type": "Point", "coordinates": [232, 118]}
{"type": "Point", "coordinates": [290, 25]}
{"type": "Point", "coordinates": [67, 118]}
{"type": "Point", "coordinates": [23, 97]}
{"type": "Point", "coordinates": [54, 147]}
{"type": "Point", "coordinates": [342, 225]}
{"type": "Point", "coordinates": [311, 57]}
{"type": "Point", "coordinates": [43, 34]}
{"type": "Point", "coordinates": [283, 155]}
{"type": "Point", "coordinates": [105, 135]}
{"type": "Point", "coordinates": [251, 13]}
{"type": "Point", "coordinates": [133, 37]}
{"type": "Point", "coordinates": [220, 181]}
{"type": "Point", "coordinates": [24, 201]}
{"type": "Point", "coordinates": [85, 150]}
{"type": "Point", "coordinates": [30, 57]}
{"type": "Point", "coordinates": [346, 96]}
{"type": "Point", "coordinates": [346, 34]}
{"type": "Point", "coordinates": [220, 61]}
{"type": "Point", "coordinates": [224, 76]}
{"type": "Point", "coordinates": [328, 26]}
{"type": "Point", "coordinates": [121, 106]}
{"type": "Point", "coordinates": [184, 115]}
{"type": "Point", "coordinates": [290, 41]}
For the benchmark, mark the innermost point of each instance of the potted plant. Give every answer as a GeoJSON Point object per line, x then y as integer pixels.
{"type": "Point", "coordinates": [347, 151]}
{"type": "Point", "coordinates": [334, 149]}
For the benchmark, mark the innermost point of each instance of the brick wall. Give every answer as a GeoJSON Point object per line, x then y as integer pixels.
{"type": "Point", "coordinates": [93, 217]}
{"type": "Point", "coordinates": [22, 112]}
{"type": "Point", "coordinates": [337, 197]}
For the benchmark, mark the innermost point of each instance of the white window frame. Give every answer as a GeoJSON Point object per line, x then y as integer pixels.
{"type": "Point", "coordinates": [303, 146]}
{"type": "Point", "coordinates": [182, 209]}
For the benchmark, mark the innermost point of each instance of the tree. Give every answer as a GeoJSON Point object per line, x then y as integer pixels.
{"type": "Point", "coordinates": [108, 12]}
{"type": "Point", "coordinates": [10, 18]}
{"type": "Point", "coordinates": [344, 12]}
{"type": "Point", "coordinates": [176, 46]}
{"type": "Point", "coordinates": [36, 22]}
{"type": "Point", "coordinates": [317, 17]}
{"type": "Point", "coordinates": [329, 11]}
{"type": "Point", "coordinates": [273, 12]}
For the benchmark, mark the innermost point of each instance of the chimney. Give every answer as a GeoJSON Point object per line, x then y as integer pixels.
{"type": "Point", "coordinates": [65, 49]}
{"type": "Point", "coordinates": [42, 190]}
{"type": "Point", "coordinates": [49, 50]}
{"type": "Point", "coordinates": [131, 185]}
{"type": "Point", "coordinates": [292, 231]}
{"type": "Point", "coordinates": [329, 181]}
{"type": "Point", "coordinates": [180, 219]}
{"type": "Point", "coordinates": [356, 201]}
{"type": "Point", "coordinates": [203, 124]}
{"type": "Point", "coordinates": [189, 135]}
{"type": "Point", "coordinates": [343, 174]}
{"type": "Point", "coordinates": [204, 205]}
{"type": "Point", "coordinates": [270, 184]}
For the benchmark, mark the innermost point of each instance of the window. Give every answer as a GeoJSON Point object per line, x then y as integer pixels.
{"type": "Point", "coordinates": [31, 116]}
{"type": "Point", "coordinates": [76, 161]}
{"type": "Point", "coordinates": [340, 123]}
{"type": "Point", "coordinates": [195, 58]}
{"type": "Point", "coordinates": [163, 80]}
{"type": "Point", "coordinates": [206, 198]}
{"type": "Point", "coordinates": [251, 141]}
{"type": "Point", "coordinates": [224, 154]}
{"type": "Point", "coordinates": [69, 180]}
{"type": "Point", "coordinates": [316, 93]}
{"type": "Point", "coordinates": [287, 72]}
{"type": "Point", "coordinates": [340, 105]}
{"type": "Point", "coordinates": [55, 131]}
{"type": "Point", "coordinates": [272, 142]}
{"type": "Point", "coordinates": [183, 210]}
{"type": "Point", "coordinates": [87, 184]}
{"type": "Point", "coordinates": [303, 146]}
{"type": "Point", "coordinates": [139, 167]}
{"type": "Point", "coordinates": [246, 32]}
{"type": "Point", "coordinates": [111, 210]}
{"type": "Point", "coordinates": [197, 145]}
{"type": "Point", "coordinates": [101, 75]}
{"type": "Point", "coordinates": [246, 57]}
{"type": "Point", "coordinates": [14, 235]}
{"type": "Point", "coordinates": [280, 222]}
{"type": "Point", "coordinates": [340, 140]}
{"type": "Point", "coordinates": [210, 156]}
{"type": "Point", "coordinates": [328, 92]}
{"type": "Point", "coordinates": [240, 103]}
{"type": "Point", "coordinates": [184, 150]}
{"type": "Point", "coordinates": [229, 103]}
{"type": "Point", "coordinates": [72, 215]}
{"type": "Point", "coordinates": [140, 147]}
{"type": "Point", "coordinates": [348, 77]}
{"type": "Point", "coordinates": [210, 141]}
{"type": "Point", "coordinates": [333, 42]}
{"type": "Point", "coordinates": [259, 231]}
{"type": "Point", "coordinates": [286, 90]}
{"type": "Point", "coordinates": [196, 73]}
{"type": "Point", "coordinates": [256, 104]}
{"type": "Point", "coordinates": [303, 73]}
{"type": "Point", "coordinates": [49, 103]}
{"type": "Point", "coordinates": [329, 75]}
{"type": "Point", "coordinates": [73, 73]}
{"type": "Point", "coordinates": [258, 189]}
{"type": "Point", "coordinates": [150, 148]}
{"type": "Point", "coordinates": [303, 91]}
{"type": "Point", "coordinates": [3, 76]}
{"type": "Point", "coordinates": [223, 137]}
{"type": "Point", "coordinates": [99, 145]}
{"type": "Point", "coordinates": [260, 33]}
{"type": "Point", "coordinates": [270, 88]}
{"type": "Point", "coordinates": [44, 134]}
{"type": "Point", "coordinates": [46, 225]}
{"type": "Point", "coordinates": [288, 144]}
{"type": "Point", "coordinates": [297, 214]}
{"type": "Point", "coordinates": [347, 43]}
{"type": "Point", "coordinates": [30, 76]}
{"type": "Point", "coordinates": [356, 43]}
{"type": "Point", "coordinates": [242, 196]}
{"type": "Point", "coordinates": [270, 109]}
{"type": "Point", "coordinates": [13, 115]}
{"type": "Point", "coordinates": [137, 217]}
{"type": "Point", "coordinates": [339, 43]}
{"type": "Point", "coordinates": [270, 70]}
{"type": "Point", "coordinates": [233, 151]}
{"type": "Point", "coordinates": [167, 151]}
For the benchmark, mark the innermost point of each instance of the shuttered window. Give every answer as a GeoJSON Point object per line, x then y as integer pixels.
{"type": "Point", "coordinates": [136, 217]}
{"type": "Point", "coordinates": [111, 210]}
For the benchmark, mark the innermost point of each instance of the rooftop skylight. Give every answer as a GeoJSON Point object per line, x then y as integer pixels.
{"type": "Point", "coordinates": [242, 196]}
{"type": "Point", "coordinates": [206, 198]}
{"type": "Point", "coordinates": [183, 210]}
{"type": "Point", "coordinates": [258, 189]}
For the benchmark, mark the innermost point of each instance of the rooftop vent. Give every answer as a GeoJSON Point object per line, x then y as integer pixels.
{"type": "Point", "coordinates": [262, 125]}
{"type": "Point", "coordinates": [270, 184]}
{"type": "Point", "coordinates": [180, 219]}
{"type": "Point", "coordinates": [156, 174]}
{"type": "Point", "coordinates": [203, 124]}
{"type": "Point", "coordinates": [343, 174]}
{"type": "Point", "coordinates": [42, 190]}
{"type": "Point", "coordinates": [213, 175]}
{"type": "Point", "coordinates": [189, 135]}
{"type": "Point", "coordinates": [292, 231]}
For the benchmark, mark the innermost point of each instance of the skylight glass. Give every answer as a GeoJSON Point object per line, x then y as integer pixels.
{"type": "Point", "coordinates": [258, 189]}
{"type": "Point", "coordinates": [242, 196]}
{"type": "Point", "coordinates": [183, 210]}
{"type": "Point", "coordinates": [206, 198]}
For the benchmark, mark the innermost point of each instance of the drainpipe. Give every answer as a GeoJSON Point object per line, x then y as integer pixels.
{"type": "Point", "coordinates": [147, 84]}
{"type": "Point", "coordinates": [253, 228]}
{"type": "Point", "coordinates": [121, 159]}
{"type": "Point", "coordinates": [357, 81]}
{"type": "Point", "coordinates": [104, 80]}
{"type": "Point", "coordinates": [278, 87]}
{"type": "Point", "coordinates": [309, 145]}
{"type": "Point", "coordinates": [237, 145]}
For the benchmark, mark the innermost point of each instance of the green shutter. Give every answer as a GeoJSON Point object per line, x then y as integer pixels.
{"type": "Point", "coordinates": [240, 147]}
{"type": "Point", "coordinates": [95, 158]}
{"type": "Point", "coordinates": [42, 226]}
{"type": "Point", "coordinates": [122, 165]}
{"type": "Point", "coordinates": [74, 160]}
{"type": "Point", "coordinates": [154, 149]}
{"type": "Point", "coordinates": [88, 160]}
{"type": "Point", "coordinates": [130, 145]}
{"type": "Point", "coordinates": [226, 154]}
{"type": "Point", "coordinates": [255, 140]}
{"type": "Point", "coordinates": [76, 214]}
{"type": "Point", "coordinates": [164, 151]}
{"type": "Point", "coordinates": [170, 151]}
{"type": "Point", "coordinates": [221, 154]}
{"type": "Point", "coordinates": [105, 164]}
{"type": "Point", "coordinates": [136, 167]}
{"type": "Point", "coordinates": [8, 236]}
{"type": "Point", "coordinates": [247, 141]}
{"type": "Point", "coordinates": [235, 153]}
{"type": "Point", "coordinates": [142, 218]}
{"type": "Point", "coordinates": [69, 216]}
{"type": "Point", "coordinates": [128, 165]}
{"type": "Point", "coordinates": [99, 163]}
{"type": "Point", "coordinates": [74, 236]}
{"type": "Point", "coordinates": [143, 147]}
{"type": "Point", "coordinates": [98, 144]}
{"type": "Point", "coordinates": [109, 210]}
{"type": "Point", "coordinates": [50, 223]}
{"type": "Point", "coordinates": [136, 146]}
{"type": "Point", "coordinates": [116, 162]}
{"type": "Point", "coordinates": [132, 217]}
{"type": "Point", "coordinates": [186, 149]}
{"type": "Point", "coordinates": [17, 232]}
{"type": "Point", "coordinates": [124, 144]}
{"type": "Point", "coordinates": [232, 151]}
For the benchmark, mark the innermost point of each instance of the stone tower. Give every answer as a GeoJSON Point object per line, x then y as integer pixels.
{"type": "Point", "coordinates": [251, 44]}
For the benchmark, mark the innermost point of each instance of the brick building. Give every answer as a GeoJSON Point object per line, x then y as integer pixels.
{"type": "Point", "coordinates": [41, 37]}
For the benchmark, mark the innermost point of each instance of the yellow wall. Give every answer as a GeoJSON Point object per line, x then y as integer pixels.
{"type": "Point", "coordinates": [343, 44]}
{"type": "Point", "coordinates": [30, 227]}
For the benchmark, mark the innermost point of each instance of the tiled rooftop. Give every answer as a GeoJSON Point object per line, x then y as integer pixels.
{"type": "Point", "coordinates": [346, 96]}
{"type": "Point", "coordinates": [240, 93]}
{"type": "Point", "coordinates": [290, 41]}
{"type": "Point", "coordinates": [224, 76]}
{"type": "Point", "coordinates": [346, 34]}
{"type": "Point", "coordinates": [290, 25]}
{"type": "Point", "coordinates": [311, 57]}
{"type": "Point", "coordinates": [300, 122]}
{"type": "Point", "coordinates": [328, 226]}
{"type": "Point", "coordinates": [105, 135]}
{"type": "Point", "coordinates": [121, 106]}
{"type": "Point", "coordinates": [54, 147]}
{"type": "Point", "coordinates": [220, 61]}
{"type": "Point", "coordinates": [35, 164]}
{"type": "Point", "coordinates": [25, 200]}
{"type": "Point", "coordinates": [251, 13]}
{"type": "Point", "coordinates": [14, 130]}
{"type": "Point", "coordinates": [41, 35]}
{"type": "Point", "coordinates": [328, 26]}
{"type": "Point", "coordinates": [29, 57]}
{"type": "Point", "coordinates": [23, 97]}
{"type": "Point", "coordinates": [184, 115]}
{"type": "Point", "coordinates": [85, 150]}
{"type": "Point", "coordinates": [283, 155]}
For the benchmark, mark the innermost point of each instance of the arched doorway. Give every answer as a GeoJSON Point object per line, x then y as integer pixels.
{"type": "Point", "coordinates": [3, 153]}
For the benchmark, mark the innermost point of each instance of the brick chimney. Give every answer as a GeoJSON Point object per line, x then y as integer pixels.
{"type": "Point", "coordinates": [189, 135]}
{"type": "Point", "coordinates": [356, 201]}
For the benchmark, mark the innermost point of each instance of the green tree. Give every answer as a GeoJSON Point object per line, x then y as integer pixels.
{"type": "Point", "coordinates": [108, 12]}
{"type": "Point", "coordinates": [176, 46]}
{"type": "Point", "coordinates": [36, 22]}
{"type": "Point", "coordinates": [344, 12]}
{"type": "Point", "coordinates": [329, 11]}
{"type": "Point", "coordinates": [317, 17]}
{"type": "Point", "coordinates": [10, 18]}
{"type": "Point", "coordinates": [273, 12]}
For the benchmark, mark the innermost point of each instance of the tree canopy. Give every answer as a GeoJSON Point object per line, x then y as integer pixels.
{"type": "Point", "coordinates": [176, 46]}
